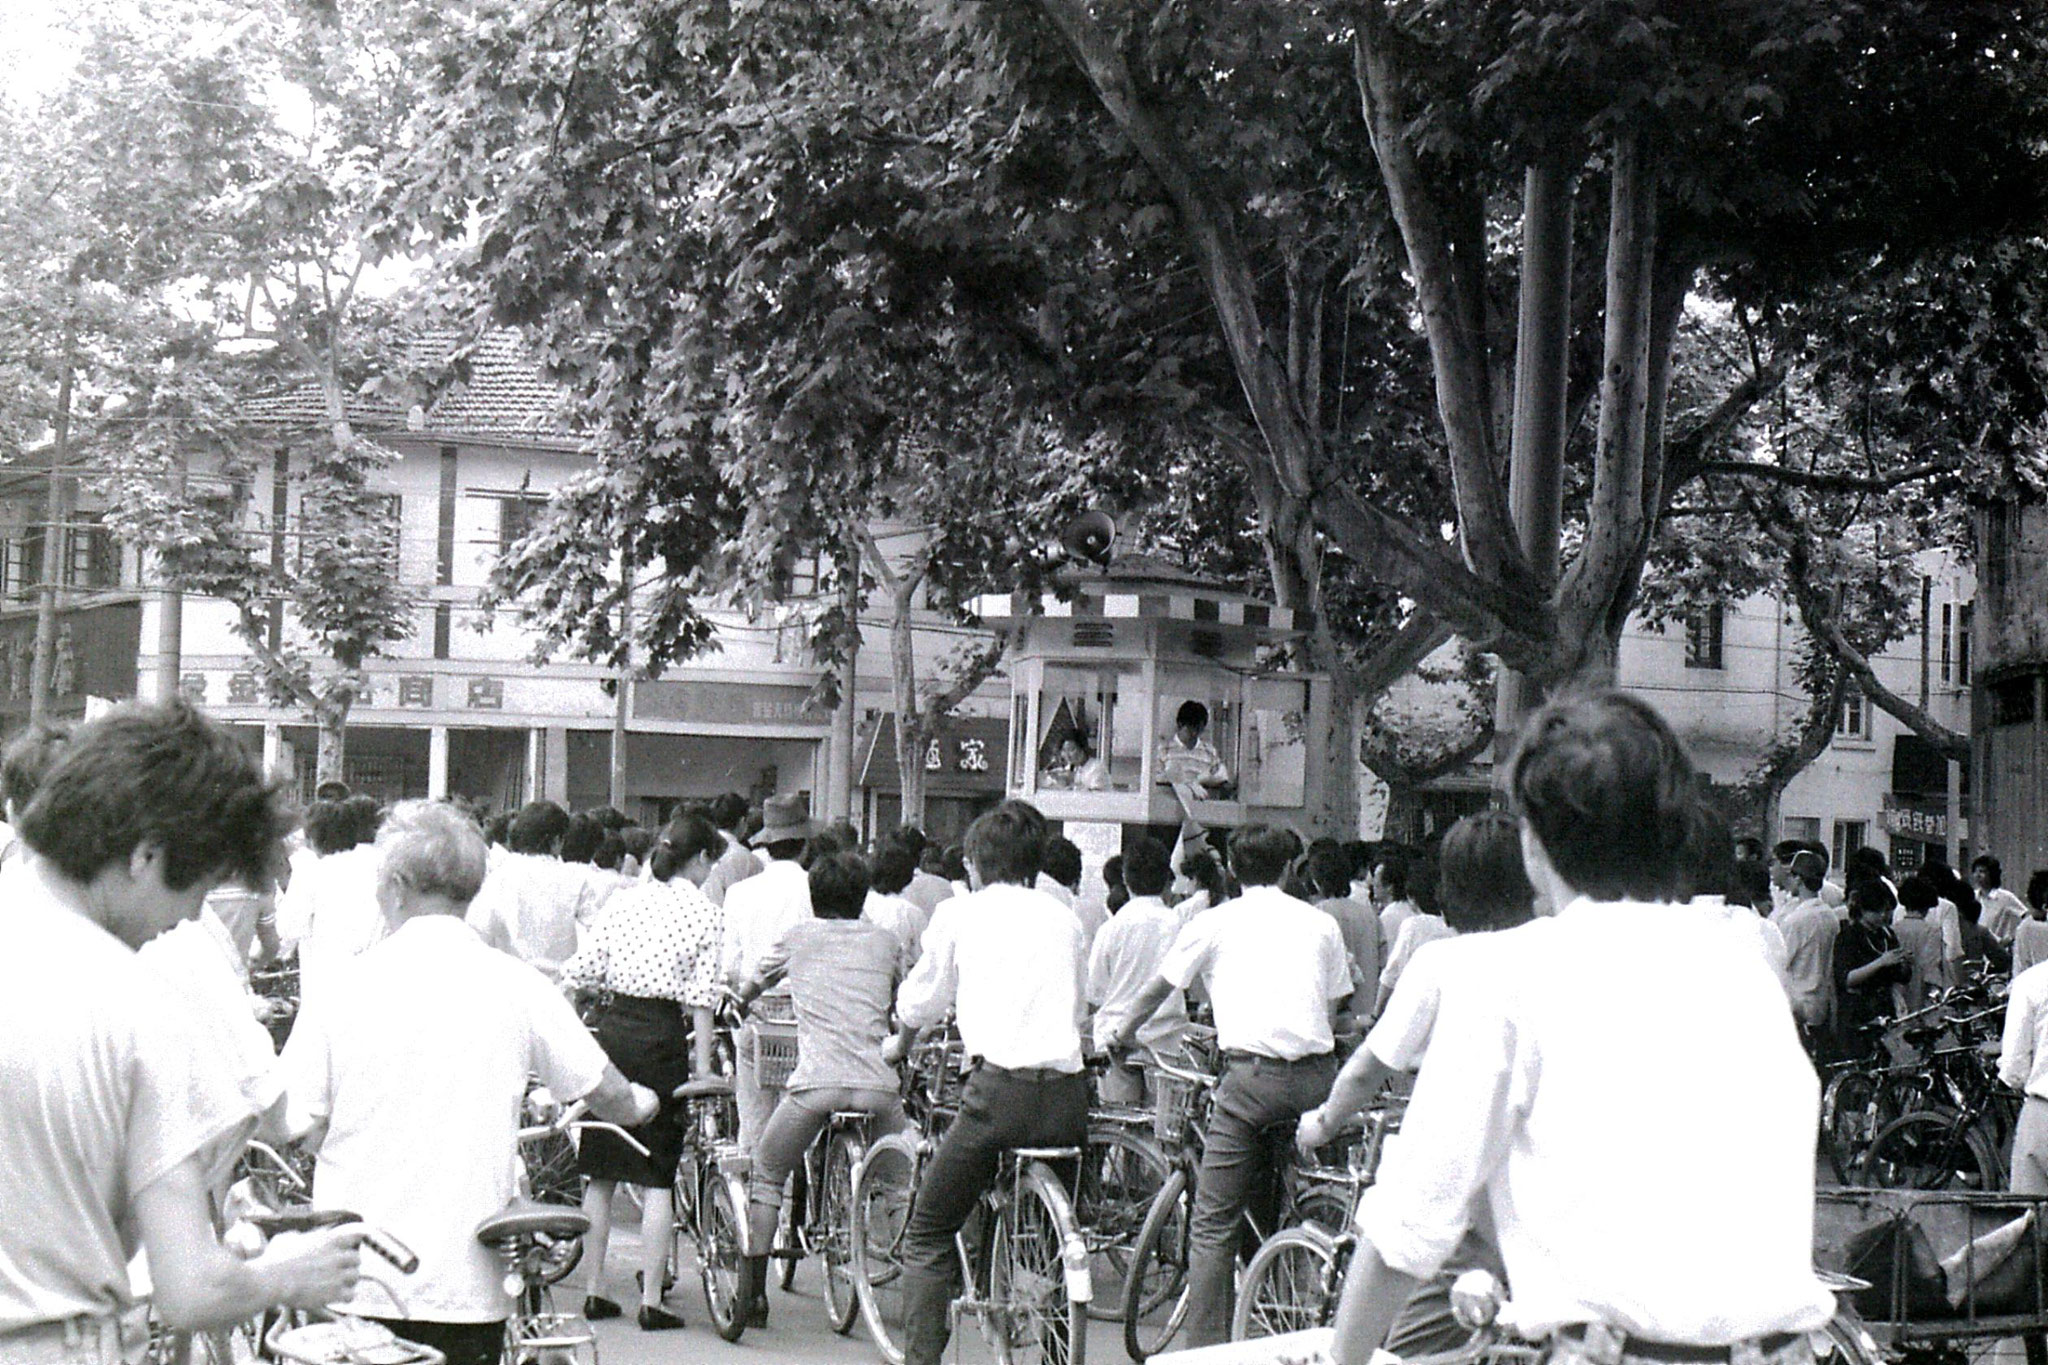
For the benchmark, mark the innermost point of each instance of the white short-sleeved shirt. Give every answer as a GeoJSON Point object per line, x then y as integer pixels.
{"type": "Point", "coordinates": [1770, 943]}
{"type": "Point", "coordinates": [1124, 960]}
{"type": "Point", "coordinates": [1400, 1036]}
{"type": "Point", "coordinates": [1272, 965]}
{"type": "Point", "coordinates": [531, 905]}
{"type": "Point", "coordinates": [2003, 912]}
{"type": "Point", "coordinates": [333, 905]}
{"type": "Point", "coordinates": [1569, 1074]}
{"type": "Point", "coordinates": [2023, 1058]}
{"type": "Point", "coordinates": [1007, 959]}
{"type": "Point", "coordinates": [417, 1060]}
{"type": "Point", "coordinates": [197, 961]}
{"type": "Point", "coordinates": [900, 917]}
{"type": "Point", "coordinates": [104, 1089]}
{"type": "Point", "coordinates": [759, 910]}
{"type": "Point", "coordinates": [1416, 930]}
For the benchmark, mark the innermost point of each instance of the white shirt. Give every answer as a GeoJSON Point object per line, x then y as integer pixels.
{"type": "Point", "coordinates": [1272, 966]}
{"type": "Point", "coordinates": [417, 1060]}
{"type": "Point", "coordinates": [758, 910]}
{"type": "Point", "coordinates": [1416, 930]}
{"type": "Point", "coordinates": [1809, 929]}
{"type": "Point", "coordinates": [1007, 960]}
{"type": "Point", "coordinates": [926, 891]}
{"type": "Point", "coordinates": [900, 918]}
{"type": "Point", "coordinates": [198, 960]}
{"type": "Point", "coordinates": [1392, 916]}
{"type": "Point", "coordinates": [1053, 888]}
{"type": "Point", "coordinates": [2003, 912]}
{"type": "Point", "coordinates": [1769, 940]}
{"type": "Point", "coordinates": [734, 866]}
{"type": "Point", "coordinates": [1400, 1036]}
{"type": "Point", "coordinates": [1568, 1076]}
{"type": "Point", "coordinates": [2023, 1056]}
{"type": "Point", "coordinates": [1123, 960]}
{"type": "Point", "coordinates": [530, 905]}
{"type": "Point", "coordinates": [335, 908]}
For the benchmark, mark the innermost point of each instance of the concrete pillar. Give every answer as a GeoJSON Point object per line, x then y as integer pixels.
{"type": "Point", "coordinates": [555, 771]}
{"type": "Point", "coordinates": [536, 761]}
{"type": "Point", "coordinates": [437, 763]}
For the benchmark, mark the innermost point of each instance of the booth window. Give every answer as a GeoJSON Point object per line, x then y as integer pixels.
{"type": "Point", "coordinates": [1218, 696]}
{"type": "Point", "coordinates": [1275, 768]}
{"type": "Point", "coordinates": [1091, 729]}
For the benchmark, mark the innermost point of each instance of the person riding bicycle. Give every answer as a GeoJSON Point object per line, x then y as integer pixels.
{"type": "Point", "coordinates": [406, 1077]}
{"type": "Point", "coordinates": [842, 972]}
{"type": "Point", "coordinates": [1276, 974]}
{"type": "Point", "coordinates": [1599, 1053]}
{"type": "Point", "coordinates": [115, 1119]}
{"type": "Point", "coordinates": [1008, 960]}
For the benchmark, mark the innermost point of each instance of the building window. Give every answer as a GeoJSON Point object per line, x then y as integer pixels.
{"type": "Point", "coordinates": [518, 514]}
{"type": "Point", "coordinates": [1955, 643]}
{"type": "Point", "coordinates": [1855, 719]}
{"type": "Point", "coordinates": [95, 558]}
{"type": "Point", "coordinates": [1849, 836]}
{"type": "Point", "coordinates": [1703, 638]}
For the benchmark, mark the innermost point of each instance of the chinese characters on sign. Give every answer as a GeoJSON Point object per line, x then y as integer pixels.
{"type": "Point", "coordinates": [1916, 821]}
{"type": "Point", "coordinates": [416, 689]}
{"type": "Point", "coordinates": [486, 694]}
{"type": "Point", "coordinates": [970, 755]}
{"type": "Point", "coordinates": [243, 689]}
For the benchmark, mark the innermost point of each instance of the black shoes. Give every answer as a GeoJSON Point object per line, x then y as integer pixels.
{"type": "Point", "coordinates": [658, 1319]}
{"type": "Point", "coordinates": [595, 1308]}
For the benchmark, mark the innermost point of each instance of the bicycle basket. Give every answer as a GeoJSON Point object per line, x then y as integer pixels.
{"type": "Point", "coordinates": [775, 1054]}
{"type": "Point", "coordinates": [346, 1341]}
{"type": "Point", "coordinates": [1173, 1107]}
{"type": "Point", "coordinates": [776, 1007]}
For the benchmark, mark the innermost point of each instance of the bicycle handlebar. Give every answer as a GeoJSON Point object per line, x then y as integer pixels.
{"type": "Point", "coordinates": [1201, 1078]}
{"type": "Point", "coordinates": [571, 1120]}
{"type": "Point", "coordinates": [383, 1243]}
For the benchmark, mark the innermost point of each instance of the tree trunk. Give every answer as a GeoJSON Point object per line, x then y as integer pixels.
{"type": "Point", "coordinates": [910, 723]}
{"type": "Point", "coordinates": [840, 786]}
{"type": "Point", "coordinates": [1792, 757]}
{"type": "Point", "coordinates": [1542, 384]}
{"type": "Point", "coordinates": [332, 755]}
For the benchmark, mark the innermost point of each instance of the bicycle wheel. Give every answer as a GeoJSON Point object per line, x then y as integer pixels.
{"type": "Point", "coordinates": [721, 1233]}
{"type": "Point", "coordinates": [1848, 1341]}
{"type": "Point", "coordinates": [1155, 1300]}
{"type": "Point", "coordinates": [835, 1207]}
{"type": "Point", "coordinates": [1930, 1151]}
{"type": "Point", "coordinates": [1290, 1285]}
{"type": "Point", "coordinates": [883, 1184]}
{"type": "Point", "coordinates": [1043, 1318]}
{"type": "Point", "coordinates": [1325, 1207]}
{"type": "Point", "coordinates": [1847, 1108]}
{"type": "Point", "coordinates": [1121, 1172]}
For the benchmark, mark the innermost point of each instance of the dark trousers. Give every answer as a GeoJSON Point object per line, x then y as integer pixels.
{"type": "Point", "coordinates": [464, 1343]}
{"type": "Point", "coordinates": [998, 1111]}
{"type": "Point", "coordinates": [1237, 1160]}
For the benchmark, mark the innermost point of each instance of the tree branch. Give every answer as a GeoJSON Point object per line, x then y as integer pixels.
{"type": "Point", "coordinates": [1448, 305]}
{"type": "Point", "coordinates": [1825, 482]}
{"type": "Point", "coordinates": [1395, 659]}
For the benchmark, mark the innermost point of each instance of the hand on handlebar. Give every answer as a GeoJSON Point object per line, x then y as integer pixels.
{"type": "Point", "coordinates": [313, 1269]}
{"type": "Point", "coordinates": [1313, 1130]}
{"type": "Point", "coordinates": [646, 1104]}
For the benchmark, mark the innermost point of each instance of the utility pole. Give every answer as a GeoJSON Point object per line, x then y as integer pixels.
{"type": "Point", "coordinates": [170, 620]}
{"type": "Point", "coordinates": [56, 519]}
{"type": "Point", "coordinates": [624, 684]}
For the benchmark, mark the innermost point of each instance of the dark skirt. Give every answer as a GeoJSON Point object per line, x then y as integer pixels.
{"type": "Point", "coordinates": [648, 1042]}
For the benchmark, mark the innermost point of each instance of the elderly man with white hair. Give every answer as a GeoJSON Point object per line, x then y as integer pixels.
{"type": "Point", "coordinates": [407, 1077]}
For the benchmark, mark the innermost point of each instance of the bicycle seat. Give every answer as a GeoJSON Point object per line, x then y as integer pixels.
{"type": "Point", "coordinates": [522, 1218]}
{"type": "Point", "coordinates": [703, 1088]}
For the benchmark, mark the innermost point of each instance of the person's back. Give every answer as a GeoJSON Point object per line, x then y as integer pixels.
{"type": "Point", "coordinates": [1125, 957]}
{"type": "Point", "coordinates": [1592, 1054]}
{"type": "Point", "coordinates": [1922, 941]}
{"type": "Point", "coordinates": [2030, 943]}
{"type": "Point", "coordinates": [415, 1061]}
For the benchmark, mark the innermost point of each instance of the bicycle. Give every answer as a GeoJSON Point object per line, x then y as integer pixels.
{"type": "Point", "coordinates": [1023, 1260]}
{"type": "Point", "coordinates": [1156, 1291]}
{"type": "Point", "coordinates": [539, 1244]}
{"type": "Point", "coordinates": [711, 1201]}
{"type": "Point", "coordinates": [327, 1338]}
{"type": "Point", "coordinates": [823, 1224]}
{"type": "Point", "coordinates": [1122, 1172]}
{"type": "Point", "coordinates": [1948, 1148]}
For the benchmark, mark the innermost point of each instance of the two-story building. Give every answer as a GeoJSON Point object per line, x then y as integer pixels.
{"type": "Point", "coordinates": [461, 708]}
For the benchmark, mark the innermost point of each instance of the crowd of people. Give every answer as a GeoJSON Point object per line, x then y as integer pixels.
{"type": "Point", "coordinates": [1623, 990]}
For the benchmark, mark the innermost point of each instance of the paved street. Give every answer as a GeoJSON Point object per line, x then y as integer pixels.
{"type": "Point", "coordinates": [797, 1330]}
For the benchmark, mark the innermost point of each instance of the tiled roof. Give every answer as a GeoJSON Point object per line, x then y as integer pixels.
{"type": "Point", "coordinates": [490, 387]}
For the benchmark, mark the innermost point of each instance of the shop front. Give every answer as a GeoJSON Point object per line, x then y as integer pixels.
{"type": "Point", "coordinates": [963, 771]}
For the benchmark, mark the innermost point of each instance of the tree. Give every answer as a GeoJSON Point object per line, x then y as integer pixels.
{"type": "Point", "coordinates": [233, 234]}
